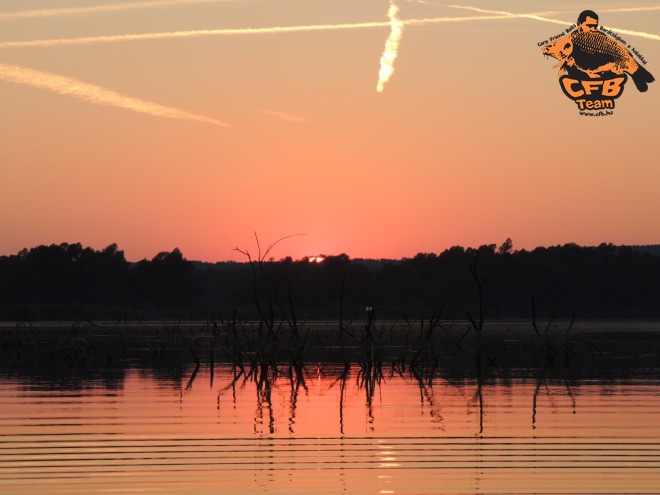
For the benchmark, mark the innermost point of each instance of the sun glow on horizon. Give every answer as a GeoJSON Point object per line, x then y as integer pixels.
{"type": "Point", "coordinates": [195, 124]}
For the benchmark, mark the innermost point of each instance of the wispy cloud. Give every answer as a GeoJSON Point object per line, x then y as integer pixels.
{"type": "Point", "coordinates": [95, 9]}
{"type": "Point", "coordinates": [391, 47]}
{"type": "Point", "coordinates": [95, 94]}
{"type": "Point", "coordinates": [493, 15]}
{"type": "Point", "coordinates": [287, 117]}
{"type": "Point", "coordinates": [128, 6]}
{"type": "Point", "coordinates": [426, 2]}
{"type": "Point", "coordinates": [630, 9]}
{"type": "Point", "coordinates": [239, 31]}
{"type": "Point", "coordinates": [537, 17]}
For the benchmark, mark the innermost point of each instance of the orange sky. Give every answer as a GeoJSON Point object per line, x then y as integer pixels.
{"type": "Point", "coordinates": [470, 142]}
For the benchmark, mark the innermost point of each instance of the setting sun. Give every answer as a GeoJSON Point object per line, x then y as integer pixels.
{"type": "Point", "coordinates": [484, 311]}
{"type": "Point", "coordinates": [452, 152]}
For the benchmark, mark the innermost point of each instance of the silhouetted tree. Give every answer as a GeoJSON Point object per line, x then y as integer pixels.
{"type": "Point", "coordinates": [70, 281]}
{"type": "Point", "coordinates": [506, 247]}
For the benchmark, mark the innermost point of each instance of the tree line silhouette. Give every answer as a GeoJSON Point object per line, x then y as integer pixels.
{"type": "Point", "coordinates": [72, 282]}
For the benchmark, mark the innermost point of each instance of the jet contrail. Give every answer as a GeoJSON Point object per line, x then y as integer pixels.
{"type": "Point", "coordinates": [27, 14]}
{"type": "Point", "coordinates": [513, 15]}
{"type": "Point", "coordinates": [641, 34]}
{"type": "Point", "coordinates": [164, 3]}
{"type": "Point", "coordinates": [391, 47]}
{"type": "Point", "coordinates": [287, 117]}
{"type": "Point", "coordinates": [630, 9]}
{"type": "Point", "coordinates": [94, 94]}
{"type": "Point", "coordinates": [426, 2]}
{"type": "Point", "coordinates": [240, 31]}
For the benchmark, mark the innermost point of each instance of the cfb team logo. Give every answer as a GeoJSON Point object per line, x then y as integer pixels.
{"type": "Point", "coordinates": [593, 66]}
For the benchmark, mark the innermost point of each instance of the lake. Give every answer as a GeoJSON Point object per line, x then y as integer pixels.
{"type": "Point", "coordinates": [147, 410]}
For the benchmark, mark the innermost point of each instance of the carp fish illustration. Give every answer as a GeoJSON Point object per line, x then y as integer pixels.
{"type": "Point", "coordinates": [595, 54]}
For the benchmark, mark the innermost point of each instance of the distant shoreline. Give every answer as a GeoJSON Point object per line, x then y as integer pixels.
{"type": "Point", "coordinates": [70, 282]}
{"type": "Point", "coordinates": [494, 324]}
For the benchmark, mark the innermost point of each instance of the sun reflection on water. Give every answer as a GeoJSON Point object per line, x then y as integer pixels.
{"type": "Point", "coordinates": [235, 436]}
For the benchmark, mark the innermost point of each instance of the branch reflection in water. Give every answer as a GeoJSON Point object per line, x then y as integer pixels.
{"type": "Point", "coordinates": [278, 394]}
{"type": "Point", "coordinates": [233, 408]}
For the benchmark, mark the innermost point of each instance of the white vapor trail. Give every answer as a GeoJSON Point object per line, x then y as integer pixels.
{"type": "Point", "coordinates": [240, 31]}
{"type": "Point", "coordinates": [426, 2]}
{"type": "Point", "coordinates": [512, 15]}
{"type": "Point", "coordinates": [640, 34]}
{"type": "Point", "coordinates": [494, 15]}
{"type": "Point", "coordinates": [94, 9]}
{"type": "Point", "coordinates": [630, 9]}
{"type": "Point", "coordinates": [68, 11]}
{"type": "Point", "coordinates": [287, 117]}
{"type": "Point", "coordinates": [94, 94]}
{"type": "Point", "coordinates": [391, 47]}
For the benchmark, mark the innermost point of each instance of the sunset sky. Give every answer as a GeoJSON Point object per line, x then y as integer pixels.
{"type": "Point", "coordinates": [203, 125]}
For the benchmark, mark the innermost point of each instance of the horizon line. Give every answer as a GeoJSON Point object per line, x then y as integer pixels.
{"type": "Point", "coordinates": [351, 258]}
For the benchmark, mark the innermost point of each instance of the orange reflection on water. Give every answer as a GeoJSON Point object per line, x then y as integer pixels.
{"type": "Point", "coordinates": [329, 435]}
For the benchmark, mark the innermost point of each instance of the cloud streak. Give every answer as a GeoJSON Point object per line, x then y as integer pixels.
{"type": "Point", "coordinates": [128, 6]}
{"type": "Point", "coordinates": [95, 94]}
{"type": "Point", "coordinates": [536, 17]}
{"type": "Point", "coordinates": [630, 9]}
{"type": "Point", "coordinates": [287, 117]}
{"type": "Point", "coordinates": [201, 33]}
{"type": "Point", "coordinates": [95, 9]}
{"type": "Point", "coordinates": [512, 15]}
{"type": "Point", "coordinates": [391, 47]}
{"type": "Point", "coordinates": [240, 31]}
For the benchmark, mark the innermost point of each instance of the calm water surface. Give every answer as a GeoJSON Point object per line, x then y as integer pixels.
{"type": "Point", "coordinates": [141, 430]}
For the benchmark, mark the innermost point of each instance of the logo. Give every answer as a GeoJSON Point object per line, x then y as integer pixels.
{"type": "Point", "coordinates": [594, 65]}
